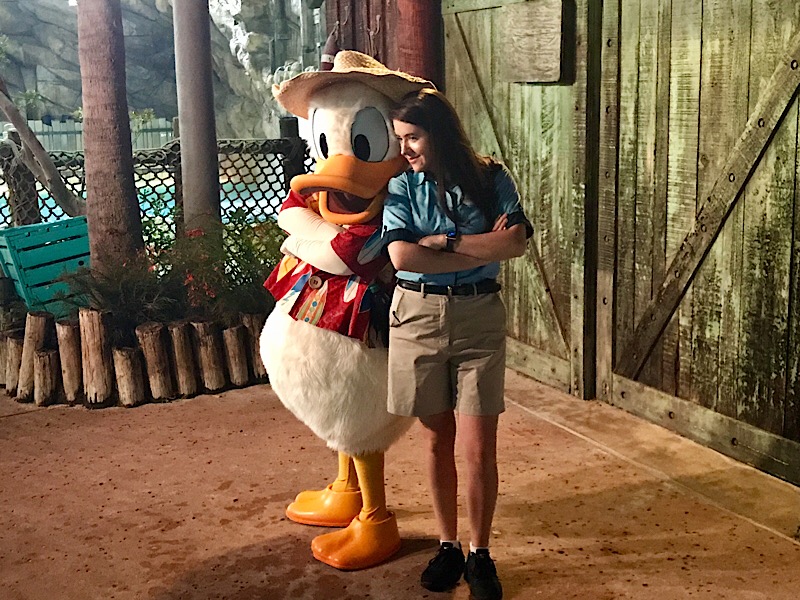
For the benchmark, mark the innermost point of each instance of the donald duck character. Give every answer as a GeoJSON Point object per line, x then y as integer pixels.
{"type": "Point", "coordinates": [316, 345]}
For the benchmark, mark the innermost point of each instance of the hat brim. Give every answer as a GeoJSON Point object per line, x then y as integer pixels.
{"type": "Point", "coordinates": [296, 93]}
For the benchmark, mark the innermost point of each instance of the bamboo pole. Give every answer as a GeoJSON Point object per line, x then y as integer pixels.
{"type": "Point", "coordinates": [69, 350]}
{"type": "Point", "coordinates": [209, 355]}
{"type": "Point", "coordinates": [130, 376]}
{"type": "Point", "coordinates": [96, 357]}
{"type": "Point", "coordinates": [233, 339]}
{"type": "Point", "coordinates": [46, 376]}
{"type": "Point", "coordinates": [185, 366]}
{"type": "Point", "coordinates": [156, 360]}
{"type": "Point", "coordinates": [37, 327]}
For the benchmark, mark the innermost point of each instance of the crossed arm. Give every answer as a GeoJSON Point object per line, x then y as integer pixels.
{"type": "Point", "coordinates": [310, 238]}
{"type": "Point", "coordinates": [470, 251]}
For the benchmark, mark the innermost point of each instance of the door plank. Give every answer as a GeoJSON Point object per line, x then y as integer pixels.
{"type": "Point", "coordinates": [580, 117]}
{"type": "Point", "coordinates": [713, 333]}
{"type": "Point", "coordinates": [739, 166]}
{"type": "Point", "coordinates": [669, 25]}
{"type": "Point", "coordinates": [624, 297]}
{"type": "Point", "coordinates": [791, 426]}
{"type": "Point", "coordinates": [610, 110]}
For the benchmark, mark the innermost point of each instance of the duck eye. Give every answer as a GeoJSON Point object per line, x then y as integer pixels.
{"type": "Point", "coordinates": [361, 147]}
{"type": "Point", "coordinates": [319, 140]}
{"type": "Point", "coordinates": [369, 135]}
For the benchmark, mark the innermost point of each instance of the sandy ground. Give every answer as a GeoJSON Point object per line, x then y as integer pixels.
{"type": "Point", "coordinates": [185, 501]}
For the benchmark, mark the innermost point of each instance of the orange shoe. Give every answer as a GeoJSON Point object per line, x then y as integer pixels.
{"type": "Point", "coordinates": [361, 545]}
{"type": "Point", "coordinates": [325, 508]}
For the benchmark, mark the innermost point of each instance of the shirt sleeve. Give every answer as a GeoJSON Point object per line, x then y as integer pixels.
{"type": "Point", "coordinates": [294, 200]}
{"type": "Point", "coordinates": [360, 248]}
{"type": "Point", "coordinates": [508, 201]}
{"type": "Point", "coordinates": [397, 218]}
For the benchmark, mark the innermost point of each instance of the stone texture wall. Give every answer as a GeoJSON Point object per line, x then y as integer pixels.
{"type": "Point", "coordinates": [43, 57]}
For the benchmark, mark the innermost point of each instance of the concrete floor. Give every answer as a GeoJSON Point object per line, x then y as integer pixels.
{"type": "Point", "coordinates": [185, 501]}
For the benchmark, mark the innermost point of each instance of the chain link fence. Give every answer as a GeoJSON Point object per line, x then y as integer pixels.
{"type": "Point", "coordinates": [254, 177]}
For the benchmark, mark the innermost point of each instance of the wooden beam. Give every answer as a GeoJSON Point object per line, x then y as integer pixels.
{"type": "Point", "coordinates": [728, 186]}
{"type": "Point", "coordinates": [533, 33]}
{"type": "Point", "coordinates": [608, 158]}
{"type": "Point", "coordinates": [541, 366]}
{"type": "Point", "coordinates": [462, 61]}
{"type": "Point", "coordinates": [450, 7]}
{"type": "Point", "coordinates": [763, 450]}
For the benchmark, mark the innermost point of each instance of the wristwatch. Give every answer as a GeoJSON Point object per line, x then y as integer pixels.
{"type": "Point", "coordinates": [450, 241]}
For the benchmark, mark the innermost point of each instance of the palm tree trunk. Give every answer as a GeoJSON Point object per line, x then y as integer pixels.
{"type": "Point", "coordinates": [115, 226]}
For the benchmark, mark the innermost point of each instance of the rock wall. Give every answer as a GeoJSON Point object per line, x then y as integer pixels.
{"type": "Point", "coordinates": [42, 54]}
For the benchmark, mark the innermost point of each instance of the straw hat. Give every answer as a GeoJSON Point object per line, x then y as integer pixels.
{"type": "Point", "coordinates": [348, 66]}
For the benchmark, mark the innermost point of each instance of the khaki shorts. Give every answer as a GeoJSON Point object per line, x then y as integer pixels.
{"type": "Point", "coordinates": [446, 353]}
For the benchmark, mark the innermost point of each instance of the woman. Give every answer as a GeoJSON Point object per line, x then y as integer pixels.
{"type": "Point", "coordinates": [448, 222]}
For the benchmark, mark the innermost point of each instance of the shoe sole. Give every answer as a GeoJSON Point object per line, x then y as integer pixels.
{"type": "Point", "coordinates": [437, 588]}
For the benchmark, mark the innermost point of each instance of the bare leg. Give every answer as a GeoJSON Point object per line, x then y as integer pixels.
{"type": "Point", "coordinates": [440, 433]}
{"type": "Point", "coordinates": [478, 445]}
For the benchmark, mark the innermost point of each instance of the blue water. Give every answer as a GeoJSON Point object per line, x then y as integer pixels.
{"type": "Point", "coordinates": [262, 203]}
{"type": "Point", "coordinates": [257, 201]}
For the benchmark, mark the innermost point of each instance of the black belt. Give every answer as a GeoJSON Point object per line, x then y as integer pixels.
{"type": "Point", "coordinates": [486, 286]}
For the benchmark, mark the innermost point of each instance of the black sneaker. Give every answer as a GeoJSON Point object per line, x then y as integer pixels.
{"type": "Point", "coordinates": [444, 570]}
{"type": "Point", "coordinates": [481, 576]}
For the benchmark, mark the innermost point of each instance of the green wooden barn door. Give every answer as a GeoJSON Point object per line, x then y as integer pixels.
{"type": "Point", "coordinates": [538, 131]}
{"type": "Point", "coordinates": [698, 252]}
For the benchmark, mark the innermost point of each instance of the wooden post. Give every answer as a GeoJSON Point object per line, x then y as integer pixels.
{"type": "Point", "coordinates": [156, 359]}
{"type": "Point", "coordinates": [69, 350]}
{"type": "Point", "coordinates": [46, 376]}
{"type": "Point", "coordinates": [14, 345]}
{"type": "Point", "coordinates": [418, 31]}
{"type": "Point", "coordinates": [185, 365]}
{"type": "Point", "coordinates": [130, 376]}
{"type": "Point", "coordinates": [37, 327]}
{"type": "Point", "coordinates": [3, 353]}
{"type": "Point", "coordinates": [98, 368]}
{"type": "Point", "coordinates": [209, 355]}
{"type": "Point", "coordinates": [234, 340]}
{"type": "Point", "coordinates": [254, 324]}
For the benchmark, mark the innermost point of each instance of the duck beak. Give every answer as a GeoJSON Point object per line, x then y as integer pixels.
{"type": "Point", "coordinates": [362, 183]}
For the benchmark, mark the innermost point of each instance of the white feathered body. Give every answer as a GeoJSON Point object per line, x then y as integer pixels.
{"type": "Point", "coordinates": [334, 384]}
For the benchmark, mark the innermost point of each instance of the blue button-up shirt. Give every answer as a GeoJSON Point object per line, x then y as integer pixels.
{"type": "Point", "coordinates": [411, 211]}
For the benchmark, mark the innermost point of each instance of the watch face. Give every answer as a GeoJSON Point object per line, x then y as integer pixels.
{"type": "Point", "coordinates": [451, 235]}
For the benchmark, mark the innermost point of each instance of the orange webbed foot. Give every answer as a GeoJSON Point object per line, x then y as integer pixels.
{"type": "Point", "coordinates": [363, 544]}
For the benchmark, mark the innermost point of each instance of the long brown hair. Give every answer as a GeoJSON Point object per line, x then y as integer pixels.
{"type": "Point", "coordinates": [453, 160]}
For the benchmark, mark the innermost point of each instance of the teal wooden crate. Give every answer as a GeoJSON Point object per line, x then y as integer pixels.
{"type": "Point", "coordinates": [35, 256]}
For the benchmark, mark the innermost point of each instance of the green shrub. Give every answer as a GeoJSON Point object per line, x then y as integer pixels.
{"type": "Point", "coordinates": [214, 274]}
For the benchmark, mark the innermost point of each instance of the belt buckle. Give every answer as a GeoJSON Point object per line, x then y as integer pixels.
{"type": "Point", "coordinates": [422, 289]}
{"type": "Point", "coordinates": [449, 291]}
